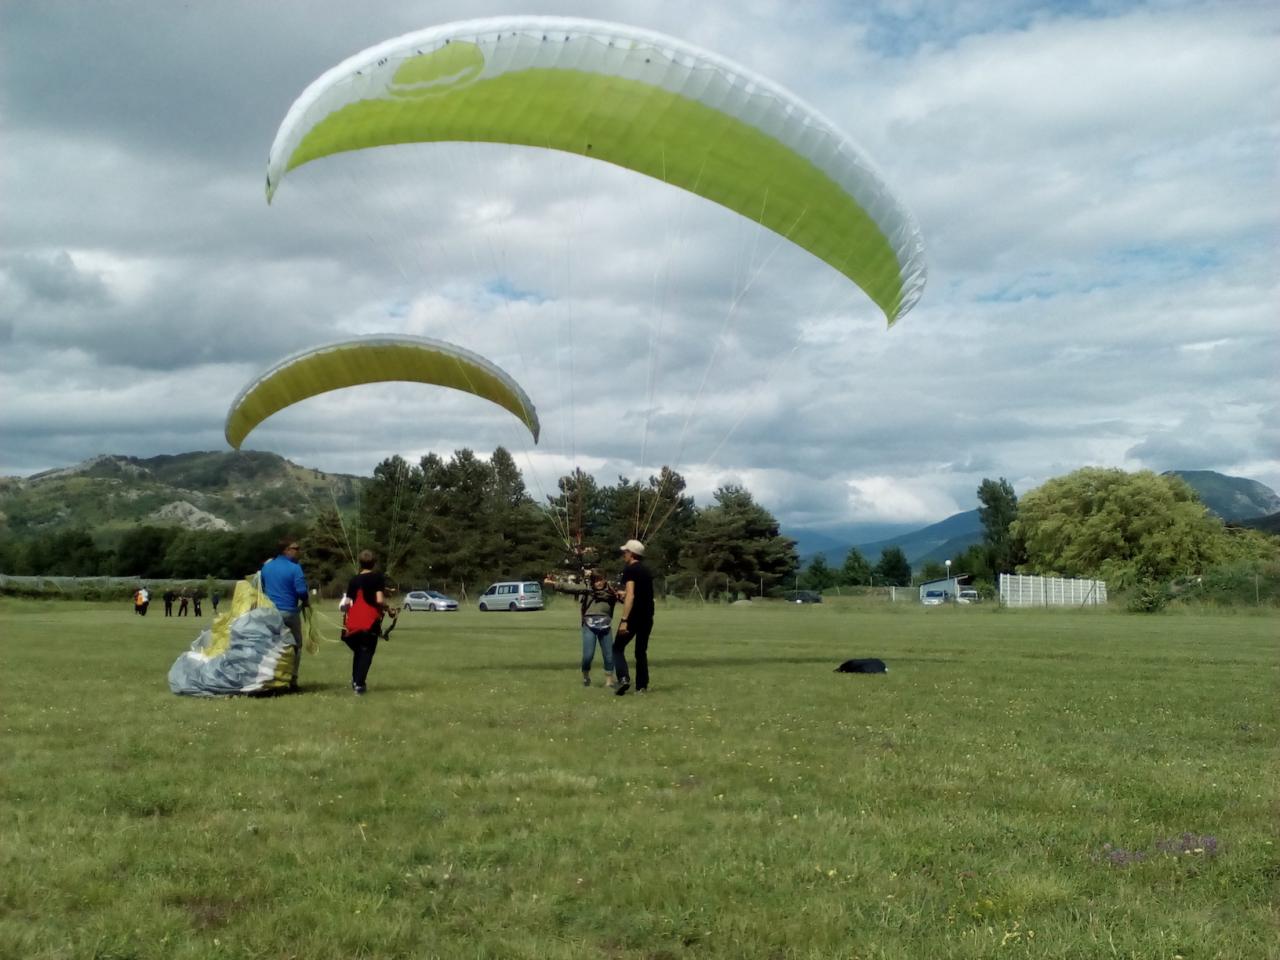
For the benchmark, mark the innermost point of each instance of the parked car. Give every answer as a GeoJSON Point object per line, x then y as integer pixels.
{"type": "Point", "coordinates": [512, 595]}
{"type": "Point", "coordinates": [802, 596]}
{"type": "Point", "coordinates": [967, 596]}
{"type": "Point", "coordinates": [429, 600]}
{"type": "Point", "coordinates": [933, 598]}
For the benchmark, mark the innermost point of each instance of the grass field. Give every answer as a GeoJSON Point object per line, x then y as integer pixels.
{"type": "Point", "coordinates": [1064, 784]}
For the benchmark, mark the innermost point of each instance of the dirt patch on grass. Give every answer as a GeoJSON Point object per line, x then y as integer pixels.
{"type": "Point", "coordinates": [206, 913]}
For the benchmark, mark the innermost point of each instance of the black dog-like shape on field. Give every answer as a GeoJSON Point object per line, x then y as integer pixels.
{"type": "Point", "coordinates": [865, 665]}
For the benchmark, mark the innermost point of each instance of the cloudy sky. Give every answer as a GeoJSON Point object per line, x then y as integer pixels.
{"type": "Point", "coordinates": [1096, 184]}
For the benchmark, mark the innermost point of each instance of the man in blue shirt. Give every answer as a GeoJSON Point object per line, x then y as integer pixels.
{"type": "Point", "coordinates": [286, 587]}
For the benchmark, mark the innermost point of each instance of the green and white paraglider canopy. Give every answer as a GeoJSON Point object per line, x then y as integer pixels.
{"type": "Point", "coordinates": [631, 97]}
{"type": "Point", "coordinates": [377, 359]}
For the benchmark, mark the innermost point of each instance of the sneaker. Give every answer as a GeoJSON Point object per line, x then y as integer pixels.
{"type": "Point", "coordinates": [642, 689]}
{"type": "Point", "coordinates": [623, 687]}
{"type": "Point", "coordinates": [586, 681]}
{"type": "Point", "coordinates": [358, 690]}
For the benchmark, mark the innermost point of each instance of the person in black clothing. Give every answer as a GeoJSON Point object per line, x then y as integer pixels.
{"type": "Point", "coordinates": [362, 623]}
{"type": "Point", "coordinates": [637, 618]}
{"type": "Point", "coordinates": [168, 602]}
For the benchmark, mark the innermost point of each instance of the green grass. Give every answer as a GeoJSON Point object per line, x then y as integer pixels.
{"type": "Point", "coordinates": [481, 803]}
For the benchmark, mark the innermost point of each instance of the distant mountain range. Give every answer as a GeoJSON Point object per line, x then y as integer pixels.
{"type": "Point", "coordinates": [1234, 499]}
{"type": "Point", "coordinates": [1231, 498]}
{"type": "Point", "coordinates": [200, 491]}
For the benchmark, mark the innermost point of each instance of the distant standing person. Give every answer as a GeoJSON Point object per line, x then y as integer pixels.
{"type": "Point", "coordinates": [183, 599]}
{"type": "Point", "coordinates": [637, 618]}
{"type": "Point", "coordinates": [137, 601]}
{"type": "Point", "coordinates": [214, 597]}
{"type": "Point", "coordinates": [362, 623]}
{"type": "Point", "coordinates": [286, 587]}
{"type": "Point", "coordinates": [596, 600]}
{"type": "Point", "coordinates": [145, 596]}
{"type": "Point", "coordinates": [168, 602]}
{"type": "Point", "coordinates": [195, 604]}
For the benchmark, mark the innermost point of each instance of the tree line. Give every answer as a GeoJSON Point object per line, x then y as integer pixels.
{"type": "Point", "coordinates": [461, 522]}
{"type": "Point", "coordinates": [458, 523]}
{"type": "Point", "coordinates": [1129, 529]}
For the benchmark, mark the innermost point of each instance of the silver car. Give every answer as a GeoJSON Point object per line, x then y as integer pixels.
{"type": "Point", "coordinates": [512, 595]}
{"type": "Point", "coordinates": [429, 600]}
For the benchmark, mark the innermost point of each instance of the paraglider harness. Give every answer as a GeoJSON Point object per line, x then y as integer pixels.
{"type": "Point", "coordinates": [365, 617]}
{"type": "Point", "coordinates": [597, 623]}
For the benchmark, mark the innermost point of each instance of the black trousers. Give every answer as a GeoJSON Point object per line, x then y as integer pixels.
{"type": "Point", "coordinates": [640, 634]}
{"type": "Point", "coordinates": [363, 646]}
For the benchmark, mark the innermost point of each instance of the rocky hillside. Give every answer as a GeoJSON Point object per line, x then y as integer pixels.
{"type": "Point", "coordinates": [199, 491]}
{"type": "Point", "coordinates": [1231, 498]}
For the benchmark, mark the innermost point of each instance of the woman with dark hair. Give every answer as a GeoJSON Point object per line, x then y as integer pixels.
{"type": "Point", "coordinates": [362, 624]}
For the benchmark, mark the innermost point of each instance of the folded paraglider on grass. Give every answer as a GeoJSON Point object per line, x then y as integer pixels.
{"type": "Point", "coordinates": [247, 650]}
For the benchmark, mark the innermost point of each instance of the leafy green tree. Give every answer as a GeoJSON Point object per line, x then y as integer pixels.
{"type": "Point", "coordinates": [893, 569]}
{"type": "Point", "coordinates": [392, 509]}
{"type": "Point", "coordinates": [818, 575]}
{"type": "Point", "coordinates": [1124, 527]}
{"type": "Point", "coordinates": [10, 551]}
{"type": "Point", "coordinates": [327, 551]}
{"type": "Point", "coordinates": [977, 564]}
{"type": "Point", "coordinates": [188, 555]}
{"type": "Point", "coordinates": [736, 545]}
{"type": "Point", "coordinates": [141, 552]}
{"type": "Point", "coordinates": [657, 512]}
{"type": "Point", "coordinates": [855, 571]}
{"type": "Point", "coordinates": [998, 511]}
{"type": "Point", "coordinates": [933, 570]}
{"type": "Point", "coordinates": [72, 553]}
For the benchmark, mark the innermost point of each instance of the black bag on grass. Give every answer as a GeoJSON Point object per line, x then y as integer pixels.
{"type": "Point", "coordinates": [866, 665]}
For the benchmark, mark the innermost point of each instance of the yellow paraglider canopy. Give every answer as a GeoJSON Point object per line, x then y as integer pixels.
{"type": "Point", "coordinates": [377, 359]}
{"type": "Point", "coordinates": [630, 97]}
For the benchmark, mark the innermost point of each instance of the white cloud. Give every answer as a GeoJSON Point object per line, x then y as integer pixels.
{"type": "Point", "coordinates": [1097, 190]}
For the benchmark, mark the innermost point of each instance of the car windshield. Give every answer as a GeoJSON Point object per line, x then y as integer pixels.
{"type": "Point", "coordinates": [934, 593]}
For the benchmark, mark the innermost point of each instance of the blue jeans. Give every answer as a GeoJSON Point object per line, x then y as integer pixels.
{"type": "Point", "coordinates": [589, 641]}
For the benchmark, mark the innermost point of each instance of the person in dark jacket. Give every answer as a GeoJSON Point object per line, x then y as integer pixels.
{"type": "Point", "coordinates": [596, 600]}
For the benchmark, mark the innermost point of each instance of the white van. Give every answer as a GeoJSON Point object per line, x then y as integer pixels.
{"type": "Point", "coordinates": [512, 595]}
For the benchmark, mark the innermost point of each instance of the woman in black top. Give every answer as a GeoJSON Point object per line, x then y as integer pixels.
{"type": "Point", "coordinates": [362, 625]}
{"type": "Point", "coordinates": [637, 618]}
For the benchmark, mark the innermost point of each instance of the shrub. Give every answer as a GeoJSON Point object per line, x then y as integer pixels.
{"type": "Point", "coordinates": [1149, 596]}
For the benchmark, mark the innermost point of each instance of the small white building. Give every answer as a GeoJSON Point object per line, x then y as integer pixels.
{"type": "Point", "coordinates": [950, 586]}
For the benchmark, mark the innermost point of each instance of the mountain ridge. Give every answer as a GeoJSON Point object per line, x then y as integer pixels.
{"type": "Point", "coordinates": [1232, 499]}
{"type": "Point", "coordinates": [202, 490]}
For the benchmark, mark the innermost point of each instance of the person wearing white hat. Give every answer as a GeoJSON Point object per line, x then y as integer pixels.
{"type": "Point", "coordinates": [637, 618]}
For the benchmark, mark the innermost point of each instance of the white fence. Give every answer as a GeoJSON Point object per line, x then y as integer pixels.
{"type": "Point", "coordinates": [1017, 590]}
